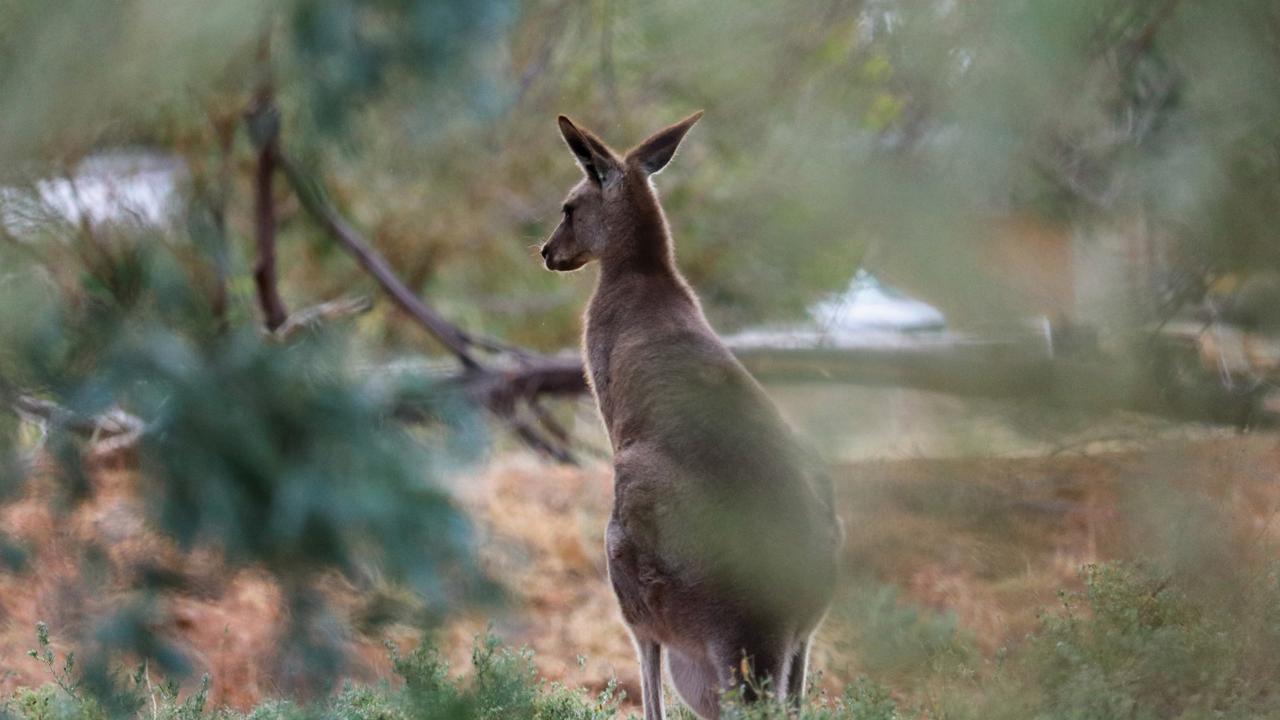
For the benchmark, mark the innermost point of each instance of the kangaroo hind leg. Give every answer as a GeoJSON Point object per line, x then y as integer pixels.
{"type": "Point", "coordinates": [651, 679]}
{"type": "Point", "coordinates": [796, 680]}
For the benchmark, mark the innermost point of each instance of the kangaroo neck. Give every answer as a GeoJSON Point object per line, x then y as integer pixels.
{"type": "Point", "coordinates": [644, 274]}
{"type": "Point", "coordinates": [641, 243]}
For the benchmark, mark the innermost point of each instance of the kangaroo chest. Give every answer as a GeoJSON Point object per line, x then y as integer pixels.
{"type": "Point", "coordinates": [627, 321]}
{"type": "Point", "coordinates": [619, 320]}
{"type": "Point", "coordinates": [598, 340]}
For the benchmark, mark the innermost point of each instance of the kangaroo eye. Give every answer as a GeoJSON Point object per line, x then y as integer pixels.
{"type": "Point", "coordinates": [568, 212]}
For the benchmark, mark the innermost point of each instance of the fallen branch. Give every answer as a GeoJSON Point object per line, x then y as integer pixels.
{"type": "Point", "coordinates": [107, 433]}
{"type": "Point", "coordinates": [998, 370]}
{"type": "Point", "coordinates": [990, 370]}
{"type": "Point", "coordinates": [1011, 371]}
{"type": "Point", "coordinates": [112, 422]}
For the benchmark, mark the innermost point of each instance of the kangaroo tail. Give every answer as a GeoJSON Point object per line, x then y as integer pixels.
{"type": "Point", "coordinates": [697, 684]}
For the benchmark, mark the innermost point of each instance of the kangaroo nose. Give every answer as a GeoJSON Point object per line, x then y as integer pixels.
{"type": "Point", "coordinates": [546, 250]}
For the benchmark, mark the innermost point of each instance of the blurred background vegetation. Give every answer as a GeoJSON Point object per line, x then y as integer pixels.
{"type": "Point", "coordinates": [1098, 180]}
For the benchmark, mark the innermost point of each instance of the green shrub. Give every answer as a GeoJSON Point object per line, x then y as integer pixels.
{"type": "Point", "coordinates": [1134, 645]}
{"type": "Point", "coordinates": [503, 685]}
{"type": "Point", "coordinates": [896, 638]}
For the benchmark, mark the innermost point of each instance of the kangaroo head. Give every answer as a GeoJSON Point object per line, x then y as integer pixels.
{"type": "Point", "coordinates": [601, 209]}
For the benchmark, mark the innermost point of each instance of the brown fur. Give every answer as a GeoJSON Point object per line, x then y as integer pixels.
{"type": "Point", "coordinates": [722, 544]}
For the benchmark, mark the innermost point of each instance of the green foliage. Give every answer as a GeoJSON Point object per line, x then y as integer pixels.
{"type": "Point", "coordinates": [349, 50]}
{"type": "Point", "coordinates": [866, 700]}
{"type": "Point", "coordinates": [892, 636]}
{"type": "Point", "coordinates": [1147, 651]}
{"type": "Point", "coordinates": [830, 129]}
{"type": "Point", "coordinates": [256, 447]}
{"type": "Point", "coordinates": [280, 455]}
{"type": "Point", "coordinates": [1135, 645]}
{"type": "Point", "coordinates": [48, 702]}
{"type": "Point", "coordinates": [502, 685]}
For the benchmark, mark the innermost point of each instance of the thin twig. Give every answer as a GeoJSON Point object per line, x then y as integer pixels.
{"type": "Point", "coordinates": [548, 421]}
{"type": "Point", "coordinates": [535, 439]}
{"type": "Point", "coordinates": [324, 312]}
{"type": "Point", "coordinates": [498, 346]}
{"type": "Point", "coordinates": [151, 692]}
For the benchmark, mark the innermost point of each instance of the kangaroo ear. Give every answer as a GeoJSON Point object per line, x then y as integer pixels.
{"type": "Point", "coordinates": [597, 161]}
{"type": "Point", "coordinates": [653, 154]}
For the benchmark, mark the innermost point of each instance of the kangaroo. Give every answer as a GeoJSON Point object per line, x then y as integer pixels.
{"type": "Point", "coordinates": [722, 546]}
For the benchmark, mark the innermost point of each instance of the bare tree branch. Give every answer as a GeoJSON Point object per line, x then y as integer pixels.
{"type": "Point", "coordinates": [264, 272]}
{"type": "Point", "coordinates": [263, 119]}
{"type": "Point", "coordinates": [500, 391]}
{"type": "Point", "coordinates": [315, 203]}
{"type": "Point", "coordinates": [534, 439]}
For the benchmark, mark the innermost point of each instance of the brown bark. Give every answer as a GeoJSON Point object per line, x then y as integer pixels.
{"type": "Point", "coordinates": [263, 123]}
{"type": "Point", "coordinates": [264, 272]}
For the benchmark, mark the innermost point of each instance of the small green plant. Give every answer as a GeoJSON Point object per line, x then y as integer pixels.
{"type": "Point", "coordinates": [63, 676]}
{"type": "Point", "coordinates": [864, 699]}
{"type": "Point", "coordinates": [67, 696]}
{"type": "Point", "coordinates": [503, 685]}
